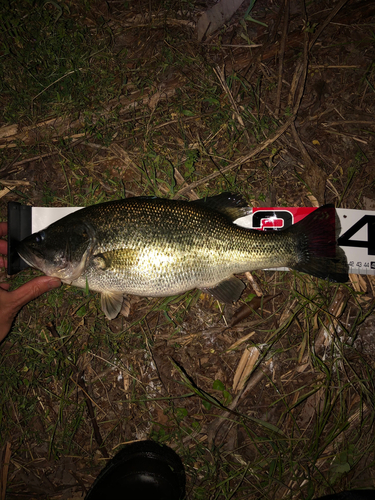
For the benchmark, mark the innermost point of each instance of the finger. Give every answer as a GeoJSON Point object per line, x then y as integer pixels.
{"type": "Point", "coordinates": [33, 289]}
{"type": "Point", "coordinates": [4, 286]}
{"type": "Point", "coordinates": [3, 247]}
{"type": "Point", "coordinates": [3, 244]}
{"type": "Point", "coordinates": [3, 262]}
{"type": "Point", "coordinates": [3, 229]}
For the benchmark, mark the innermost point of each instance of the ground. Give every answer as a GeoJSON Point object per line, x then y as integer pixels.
{"type": "Point", "coordinates": [271, 397]}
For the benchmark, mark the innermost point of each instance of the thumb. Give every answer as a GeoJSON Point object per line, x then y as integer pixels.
{"type": "Point", "coordinates": [32, 289]}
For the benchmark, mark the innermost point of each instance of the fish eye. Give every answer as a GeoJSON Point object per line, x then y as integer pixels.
{"type": "Point", "coordinates": [40, 237]}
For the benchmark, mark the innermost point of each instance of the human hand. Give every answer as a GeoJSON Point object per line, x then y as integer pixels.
{"type": "Point", "coordinates": [12, 302]}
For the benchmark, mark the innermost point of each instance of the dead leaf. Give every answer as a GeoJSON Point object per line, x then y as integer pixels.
{"type": "Point", "coordinates": [368, 203]}
{"type": "Point", "coordinates": [8, 131]}
{"type": "Point", "coordinates": [313, 404]}
{"type": "Point", "coordinates": [326, 333]}
{"type": "Point", "coordinates": [215, 17]}
{"type": "Point", "coordinates": [254, 284]}
{"type": "Point", "coordinates": [5, 191]}
{"type": "Point", "coordinates": [240, 341]}
{"type": "Point", "coordinates": [358, 283]}
{"type": "Point", "coordinates": [245, 367]}
{"type": "Point", "coordinates": [314, 202]}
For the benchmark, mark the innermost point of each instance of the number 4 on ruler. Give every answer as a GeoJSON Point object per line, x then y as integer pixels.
{"type": "Point", "coordinates": [346, 241]}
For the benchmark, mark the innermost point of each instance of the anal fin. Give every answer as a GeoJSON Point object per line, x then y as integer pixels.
{"type": "Point", "coordinates": [111, 303]}
{"type": "Point", "coordinates": [227, 291]}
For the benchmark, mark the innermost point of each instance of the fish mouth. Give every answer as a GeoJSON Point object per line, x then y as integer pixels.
{"type": "Point", "coordinates": [31, 258]}
{"type": "Point", "coordinates": [36, 260]}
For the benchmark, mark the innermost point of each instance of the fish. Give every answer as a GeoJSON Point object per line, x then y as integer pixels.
{"type": "Point", "coordinates": [156, 247]}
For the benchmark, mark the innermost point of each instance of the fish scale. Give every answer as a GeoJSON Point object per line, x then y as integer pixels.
{"type": "Point", "coordinates": [157, 247]}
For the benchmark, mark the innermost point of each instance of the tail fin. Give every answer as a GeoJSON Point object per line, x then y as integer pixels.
{"type": "Point", "coordinates": [317, 248]}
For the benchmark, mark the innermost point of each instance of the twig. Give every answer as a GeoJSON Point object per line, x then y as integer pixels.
{"type": "Point", "coordinates": [349, 122]}
{"type": "Point", "coordinates": [14, 183]}
{"type": "Point", "coordinates": [305, 155]}
{"type": "Point", "coordinates": [192, 195]}
{"type": "Point", "coordinates": [53, 83]}
{"type": "Point", "coordinates": [299, 78]}
{"type": "Point", "coordinates": [4, 470]}
{"type": "Point", "coordinates": [354, 137]}
{"type": "Point", "coordinates": [221, 77]}
{"type": "Point", "coordinates": [295, 82]}
{"type": "Point", "coordinates": [281, 57]}
{"type": "Point", "coordinates": [326, 22]}
{"type": "Point", "coordinates": [334, 66]}
{"type": "Point", "coordinates": [90, 409]}
{"type": "Point", "coordinates": [120, 153]}
{"type": "Point", "coordinates": [35, 158]}
{"type": "Point", "coordinates": [254, 284]}
{"type": "Point", "coordinates": [274, 33]}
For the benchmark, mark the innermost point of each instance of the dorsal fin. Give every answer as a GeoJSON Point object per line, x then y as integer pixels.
{"type": "Point", "coordinates": [231, 205]}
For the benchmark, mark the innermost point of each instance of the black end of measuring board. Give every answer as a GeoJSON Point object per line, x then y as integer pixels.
{"type": "Point", "coordinates": [19, 226]}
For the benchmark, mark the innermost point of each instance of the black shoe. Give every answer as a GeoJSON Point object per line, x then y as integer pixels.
{"type": "Point", "coordinates": [143, 470]}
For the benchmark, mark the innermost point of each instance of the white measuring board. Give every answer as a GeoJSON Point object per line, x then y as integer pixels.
{"type": "Point", "coordinates": [41, 217]}
{"type": "Point", "coordinates": [356, 238]}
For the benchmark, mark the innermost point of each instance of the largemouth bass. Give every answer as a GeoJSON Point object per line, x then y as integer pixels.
{"type": "Point", "coordinates": [157, 247]}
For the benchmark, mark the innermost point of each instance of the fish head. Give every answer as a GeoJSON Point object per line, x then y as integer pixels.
{"type": "Point", "coordinates": [60, 251]}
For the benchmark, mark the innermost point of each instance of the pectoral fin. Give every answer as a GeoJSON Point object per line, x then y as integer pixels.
{"type": "Point", "coordinates": [227, 291]}
{"type": "Point", "coordinates": [111, 303]}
